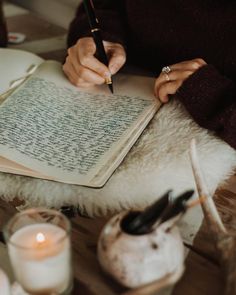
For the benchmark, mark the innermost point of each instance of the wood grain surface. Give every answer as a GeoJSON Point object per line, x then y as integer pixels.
{"type": "Point", "coordinates": [202, 274]}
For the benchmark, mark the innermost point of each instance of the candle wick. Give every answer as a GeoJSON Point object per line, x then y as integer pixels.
{"type": "Point", "coordinates": [40, 238]}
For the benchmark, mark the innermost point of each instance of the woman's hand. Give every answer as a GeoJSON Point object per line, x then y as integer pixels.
{"type": "Point", "coordinates": [169, 83]}
{"type": "Point", "coordinates": [84, 69]}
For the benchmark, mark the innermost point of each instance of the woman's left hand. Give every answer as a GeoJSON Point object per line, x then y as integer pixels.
{"type": "Point", "coordinates": [169, 82]}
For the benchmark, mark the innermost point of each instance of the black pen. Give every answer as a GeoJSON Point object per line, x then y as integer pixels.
{"type": "Point", "coordinates": [96, 33]}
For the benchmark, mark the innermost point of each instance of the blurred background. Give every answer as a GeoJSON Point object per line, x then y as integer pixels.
{"type": "Point", "coordinates": [59, 12]}
{"type": "Point", "coordinates": [39, 26]}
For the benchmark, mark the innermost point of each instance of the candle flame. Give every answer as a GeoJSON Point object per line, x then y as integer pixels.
{"type": "Point", "coordinates": [40, 238]}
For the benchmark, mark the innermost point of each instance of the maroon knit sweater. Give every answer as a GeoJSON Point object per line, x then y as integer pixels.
{"type": "Point", "coordinates": [157, 33]}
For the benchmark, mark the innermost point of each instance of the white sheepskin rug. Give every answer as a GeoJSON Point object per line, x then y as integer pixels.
{"type": "Point", "coordinates": [159, 161]}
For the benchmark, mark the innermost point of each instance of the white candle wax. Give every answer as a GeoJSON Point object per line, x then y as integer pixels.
{"type": "Point", "coordinates": [4, 284]}
{"type": "Point", "coordinates": [40, 256]}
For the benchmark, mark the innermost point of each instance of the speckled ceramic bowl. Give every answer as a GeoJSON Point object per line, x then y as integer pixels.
{"type": "Point", "coordinates": [136, 260]}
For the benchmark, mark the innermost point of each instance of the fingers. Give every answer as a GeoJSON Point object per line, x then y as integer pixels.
{"type": "Point", "coordinates": [193, 65]}
{"type": "Point", "coordinates": [86, 50]}
{"type": "Point", "coordinates": [83, 68]}
{"type": "Point", "coordinates": [169, 83]}
{"type": "Point", "coordinates": [172, 76]}
{"type": "Point", "coordinates": [117, 57]}
{"type": "Point", "coordinates": [79, 76]}
{"type": "Point", "coordinates": [168, 88]}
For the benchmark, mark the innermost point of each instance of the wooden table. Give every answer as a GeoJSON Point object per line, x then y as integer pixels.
{"type": "Point", "coordinates": [202, 275]}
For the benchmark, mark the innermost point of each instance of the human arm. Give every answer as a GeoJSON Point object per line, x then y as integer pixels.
{"type": "Point", "coordinates": [209, 97]}
{"type": "Point", "coordinates": [82, 67]}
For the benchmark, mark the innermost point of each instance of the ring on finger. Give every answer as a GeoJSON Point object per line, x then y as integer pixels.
{"type": "Point", "coordinates": [166, 69]}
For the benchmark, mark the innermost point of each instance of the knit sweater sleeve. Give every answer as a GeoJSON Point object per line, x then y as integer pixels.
{"type": "Point", "coordinates": [210, 98]}
{"type": "Point", "coordinates": [111, 19]}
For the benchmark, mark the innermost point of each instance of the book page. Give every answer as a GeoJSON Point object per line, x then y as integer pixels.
{"type": "Point", "coordinates": [51, 127]}
{"type": "Point", "coordinates": [15, 64]}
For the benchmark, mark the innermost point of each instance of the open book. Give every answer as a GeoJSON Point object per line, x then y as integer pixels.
{"type": "Point", "coordinates": [52, 130]}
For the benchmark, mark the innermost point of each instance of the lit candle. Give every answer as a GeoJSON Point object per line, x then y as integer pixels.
{"type": "Point", "coordinates": [40, 256]}
{"type": "Point", "coordinates": [4, 284]}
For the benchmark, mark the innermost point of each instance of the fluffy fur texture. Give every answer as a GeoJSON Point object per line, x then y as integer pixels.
{"type": "Point", "coordinates": [159, 161]}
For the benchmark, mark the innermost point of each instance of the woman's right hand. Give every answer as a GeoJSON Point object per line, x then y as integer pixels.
{"type": "Point", "coordinates": [83, 69]}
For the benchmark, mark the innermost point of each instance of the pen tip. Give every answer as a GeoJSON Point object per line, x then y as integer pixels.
{"type": "Point", "coordinates": [111, 88]}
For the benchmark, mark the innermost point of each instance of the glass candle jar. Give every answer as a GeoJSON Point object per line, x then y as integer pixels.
{"type": "Point", "coordinates": [39, 247]}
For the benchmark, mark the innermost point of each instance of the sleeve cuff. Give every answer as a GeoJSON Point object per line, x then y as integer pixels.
{"type": "Point", "coordinates": [202, 92]}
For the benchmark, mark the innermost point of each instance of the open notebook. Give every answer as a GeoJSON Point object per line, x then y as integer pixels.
{"type": "Point", "coordinates": [50, 129]}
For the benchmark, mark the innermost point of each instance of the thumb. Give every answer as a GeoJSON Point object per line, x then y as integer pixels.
{"type": "Point", "coordinates": [117, 60]}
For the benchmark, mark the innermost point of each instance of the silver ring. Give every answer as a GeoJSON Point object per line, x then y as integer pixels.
{"type": "Point", "coordinates": [166, 69]}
